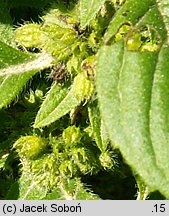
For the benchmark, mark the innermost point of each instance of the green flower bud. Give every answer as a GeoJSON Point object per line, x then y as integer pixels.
{"type": "Point", "coordinates": [71, 135]}
{"type": "Point", "coordinates": [124, 29]}
{"type": "Point", "coordinates": [53, 31]}
{"type": "Point", "coordinates": [46, 170]}
{"type": "Point", "coordinates": [58, 149]}
{"type": "Point", "coordinates": [106, 160]}
{"type": "Point", "coordinates": [73, 65]}
{"type": "Point", "coordinates": [134, 42]}
{"type": "Point", "coordinates": [68, 37]}
{"type": "Point", "coordinates": [68, 168]}
{"type": "Point", "coordinates": [84, 50]}
{"type": "Point", "coordinates": [79, 155]}
{"type": "Point", "coordinates": [60, 47]}
{"type": "Point", "coordinates": [143, 39]}
{"type": "Point", "coordinates": [30, 35]}
{"type": "Point", "coordinates": [93, 40]}
{"type": "Point", "coordinates": [85, 159]}
{"type": "Point", "coordinates": [83, 88]}
{"type": "Point", "coordinates": [30, 98]}
{"type": "Point", "coordinates": [39, 94]}
{"type": "Point", "coordinates": [50, 37]}
{"type": "Point", "coordinates": [47, 163]}
{"type": "Point", "coordinates": [30, 147]}
{"type": "Point", "coordinates": [88, 66]}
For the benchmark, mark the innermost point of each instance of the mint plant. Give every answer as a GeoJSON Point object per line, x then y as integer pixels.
{"type": "Point", "coordinates": [84, 93]}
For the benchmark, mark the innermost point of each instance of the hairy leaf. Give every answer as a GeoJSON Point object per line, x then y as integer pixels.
{"type": "Point", "coordinates": [55, 95]}
{"type": "Point", "coordinates": [163, 6]}
{"type": "Point", "coordinates": [57, 107]}
{"type": "Point", "coordinates": [60, 102]}
{"type": "Point", "coordinates": [88, 10]}
{"type": "Point", "coordinates": [134, 104]}
{"type": "Point", "coordinates": [125, 105]}
{"type": "Point", "coordinates": [30, 188]}
{"type": "Point", "coordinates": [159, 113]}
{"type": "Point", "coordinates": [16, 69]}
{"type": "Point", "coordinates": [71, 189]}
{"type": "Point", "coordinates": [97, 127]}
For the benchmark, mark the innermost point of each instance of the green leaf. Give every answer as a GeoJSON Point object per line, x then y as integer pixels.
{"type": "Point", "coordinates": [88, 10]}
{"type": "Point", "coordinates": [38, 177]}
{"type": "Point", "coordinates": [159, 113]}
{"type": "Point", "coordinates": [54, 96]}
{"type": "Point", "coordinates": [125, 106]}
{"type": "Point", "coordinates": [30, 188]}
{"type": "Point", "coordinates": [55, 106]}
{"type": "Point", "coordinates": [111, 102]}
{"type": "Point", "coordinates": [97, 127]}
{"type": "Point", "coordinates": [154, 18]}
{"type": "Point", "coordinates": [134, 104]}
{"type": "Point", "coordinates": [163, 6]}
{"type": "Point", "coordinates": [71, 189]}
{"type": "Point", "coordinates": [16, 69]}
